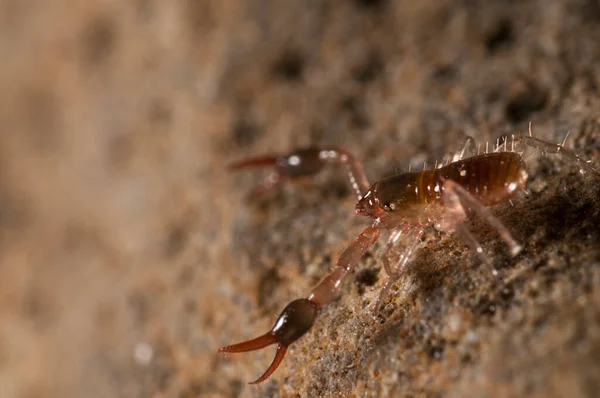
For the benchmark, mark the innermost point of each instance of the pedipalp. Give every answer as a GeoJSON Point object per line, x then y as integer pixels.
{"type": "Point", "coordinates": [299, 315]}
{"type": "Point", "coordinates": [304, 163]}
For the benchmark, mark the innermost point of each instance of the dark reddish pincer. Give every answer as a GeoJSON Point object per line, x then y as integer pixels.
{"type": "Point", "coordinates": [295, 320]}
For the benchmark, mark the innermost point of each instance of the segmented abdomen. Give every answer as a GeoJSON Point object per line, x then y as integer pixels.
{"type": "Point", "coordinates": [492, 178]}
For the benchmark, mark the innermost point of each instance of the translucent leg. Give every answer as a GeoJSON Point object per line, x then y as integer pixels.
{"type": "Point", "coordinates": [411, 240]}
{"type": "Point", "coordinates": [467, 236]}
{"type": "Point", "coordinates": [457, 199]}
{"type": "Point", "coordinates": [394, 236]}
{"type": "Point", "coordinates": [554, 149]}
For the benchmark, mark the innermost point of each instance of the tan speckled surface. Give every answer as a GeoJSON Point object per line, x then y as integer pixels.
{"type": "Point", "coordinates": [127, 253]}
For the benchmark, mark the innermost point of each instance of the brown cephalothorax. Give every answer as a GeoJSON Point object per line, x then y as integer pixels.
{"type": "Point", "coordinates": [405, 204]}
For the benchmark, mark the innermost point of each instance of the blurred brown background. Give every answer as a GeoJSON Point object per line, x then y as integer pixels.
{"type": "Point", "coordinates": [128, 255]}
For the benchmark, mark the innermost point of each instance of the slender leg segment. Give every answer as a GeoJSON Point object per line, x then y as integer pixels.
{"type": "Point", "coordinates": [556, 149]}
{"type": "Point", "coordinates": [329, 288]}
{"type": "Point", "coordinates": [305, 162]}
{"type": "Point", "coordinates": [299, 315]}
{"type": "Point", "coordinates": [463, 232]}
{"type": "Point", "coordinates": [411, 240]}
{"type": "Point", "coordinates": [457, 199]}
{"type": "Point", "coordinates": [394, 236]}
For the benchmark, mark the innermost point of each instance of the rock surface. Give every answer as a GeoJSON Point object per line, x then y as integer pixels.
{"type": "Point", "coordinates": [128, 255]}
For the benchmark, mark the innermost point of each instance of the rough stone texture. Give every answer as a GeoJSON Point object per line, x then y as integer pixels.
{"type": "Point", "coordinates": [128, 255]}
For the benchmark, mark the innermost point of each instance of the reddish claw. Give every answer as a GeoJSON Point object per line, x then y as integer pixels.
{"type": "Point", "coordinates": [253, 162]}
{"type": "Point", "coordinates": [295, 320]}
